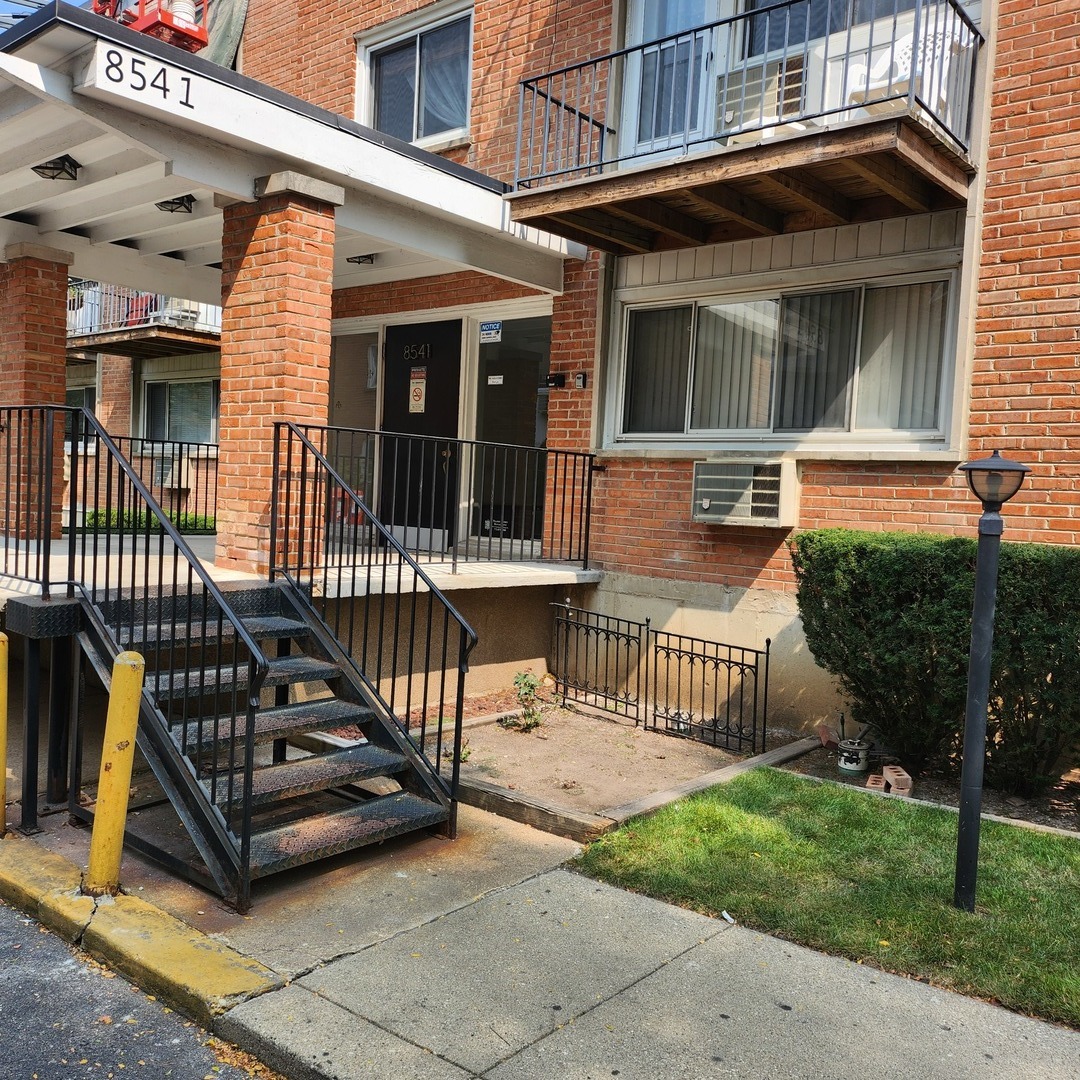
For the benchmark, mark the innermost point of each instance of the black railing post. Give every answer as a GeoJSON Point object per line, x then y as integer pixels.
{"type": "Point", "coordinates": [45, 516]}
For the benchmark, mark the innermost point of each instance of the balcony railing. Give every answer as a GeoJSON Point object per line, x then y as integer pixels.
{"type": "Point", "coordinates": [456, 500]}
{"type": "Point", "coordinates": [786, 67]}
{"type": "Point", "coordinates": [97, 308]}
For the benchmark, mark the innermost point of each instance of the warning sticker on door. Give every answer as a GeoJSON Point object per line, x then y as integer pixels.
{"type": "Point", "coordinates": [417, 389]}
{"type": "Point", "coordinates": [490, 332]}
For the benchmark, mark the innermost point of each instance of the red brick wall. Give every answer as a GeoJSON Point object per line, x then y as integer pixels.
{"type": "Point", "coordinates": [33, 332]}
{"type": "Point", "coordinates": [311, 52]}
{"type": "Point", "coordinates": [447, 290]}
{"type": "Point", "coordinates": [277, 269]}
{"type": "Point", "coordinates": [114, 404]}
{"type": "Point", "coordinates": [33, 355]}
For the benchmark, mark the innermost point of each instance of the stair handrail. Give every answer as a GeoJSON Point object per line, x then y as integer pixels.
{"type": "Point", "coordinates": [259, 659]}
{"type": "Point", "coordinates": [258, 664]}
{"type": "Point", "coordinates": [470, 638]}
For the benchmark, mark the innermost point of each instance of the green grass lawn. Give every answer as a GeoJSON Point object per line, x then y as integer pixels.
{"type": "Point", "coordinates": [840, 870]}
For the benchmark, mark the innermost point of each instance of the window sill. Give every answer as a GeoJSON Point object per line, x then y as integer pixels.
{"type": "Point", "coordinates": [789, 453]}
{"type": "Point", "coordinates": [440, 145]}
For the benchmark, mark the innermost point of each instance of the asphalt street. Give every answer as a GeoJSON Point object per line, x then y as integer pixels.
{"type": "Point", "coordinates": [64, 1017]}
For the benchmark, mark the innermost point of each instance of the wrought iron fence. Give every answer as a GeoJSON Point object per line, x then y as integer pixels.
{"type": "Point", "coordinates": [182, 477]}
{"type": "Point", "coordinates": [94, 307]}
{"type": "Point", "coordinates": [681, 685]}
{"type": "Point", "coordinates": [458, 500]}
{"type": "Point", "coordinates": [783, 66]}
{"type": "Point", "coordinates": [402, 638]}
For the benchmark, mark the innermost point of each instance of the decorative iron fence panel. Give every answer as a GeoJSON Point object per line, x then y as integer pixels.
{"type": "Point", "coordinates": [708, 691]}
{"type": "Point", "coordinates": [680, 685]}
{"type": "Point", "coordinates": [598, 660]}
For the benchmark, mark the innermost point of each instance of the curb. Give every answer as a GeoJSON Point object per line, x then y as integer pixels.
{"type": "Point", "coordinates": [160, 954]}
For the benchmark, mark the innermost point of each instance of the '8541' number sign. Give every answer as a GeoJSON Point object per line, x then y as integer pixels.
{"type": "Point", "coordinates": [147, 77]}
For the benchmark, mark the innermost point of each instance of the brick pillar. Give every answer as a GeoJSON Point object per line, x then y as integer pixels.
{"type": "Point", "coordinates": [33, 355]}
{"type": "Point", "coordinates": [114, 403]}
{"type": "Point", "coordinates": [276, 283]}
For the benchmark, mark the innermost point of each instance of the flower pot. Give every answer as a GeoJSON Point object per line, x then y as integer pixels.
{"type": "Point", "coordinates": [853, 756]}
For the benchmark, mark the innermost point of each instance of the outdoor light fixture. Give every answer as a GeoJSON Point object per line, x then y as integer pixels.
{"type": "Point", "coordinates": [182, 204]}
{"type": "Point", "coordinates": [994, 481]}
{"type": "Point", "coordinates": [359, 259]}
{"type": "Point", "coordinates": [61, 168]}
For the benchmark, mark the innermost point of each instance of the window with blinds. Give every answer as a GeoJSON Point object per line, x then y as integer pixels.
{"type": "Point", "coordinates": [869, 358]}
{"type": "Point", "coordinates": [182, 411]}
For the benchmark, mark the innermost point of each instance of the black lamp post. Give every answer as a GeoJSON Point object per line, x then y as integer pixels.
{"type": "Point", "coordinates": [993, 481]}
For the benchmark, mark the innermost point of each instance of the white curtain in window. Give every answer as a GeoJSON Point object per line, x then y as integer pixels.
{"type": "Point", "coordinates": [444, 79]}
{"type": "Point", "coordinates": [903, 345]}
{"type": "Point", "coordinates": [657, 370]}
{"type": "Point", "coordinates": [817, 351]}
{"type": "Point", "coordinates": [733, 361]}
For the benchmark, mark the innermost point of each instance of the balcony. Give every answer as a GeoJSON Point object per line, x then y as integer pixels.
{"type": "Point", "coordinates": [794, 116]}
{"type": "Point", "coordinates": [119, 319]}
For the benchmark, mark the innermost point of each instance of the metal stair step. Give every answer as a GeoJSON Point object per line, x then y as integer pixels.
{"type": "Point", "coordinates": [326, 834]}
{"type": "Point", "coordinates": [317, 773]}
{"type": "Point", "coordinates": [284, 671]}
{"type": "Point", "coordinates": [280, 722]}
{"type": "Point", "coordinates": [198, 635]}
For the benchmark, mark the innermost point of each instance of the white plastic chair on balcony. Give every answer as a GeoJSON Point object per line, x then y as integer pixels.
{"type": "Point", "coordinates": [898, 70]}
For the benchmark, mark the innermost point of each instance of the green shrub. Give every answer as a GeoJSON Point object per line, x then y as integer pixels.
{"type": "Point", "coordinates": [889, 614]}
{"type": "Point", "coordinates": [136, 521]}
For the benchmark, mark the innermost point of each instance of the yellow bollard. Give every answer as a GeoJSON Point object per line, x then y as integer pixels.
{"type": "Point", "coordinates": [3, 731]}
{"type": "Point", "coordinates": [117, 755]}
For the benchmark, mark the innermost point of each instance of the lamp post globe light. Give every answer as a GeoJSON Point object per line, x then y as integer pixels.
{"type": "Point", "coordinates": [993, 481]}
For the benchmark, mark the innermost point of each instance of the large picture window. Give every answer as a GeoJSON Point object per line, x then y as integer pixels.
{"type": "Point", "coordinates": [420, 83]}
{"type": "Point", "coordinates": [868, 358]}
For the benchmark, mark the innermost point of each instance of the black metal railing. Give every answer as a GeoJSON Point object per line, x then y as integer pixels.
{"type": "Point", "coordinates": [786, 66]}
{"type": "Point", "coordinates": [709, 691]}
{"type": "Point", "coordinates": [402, 638]}
{"type": "Point", "coordinates": [600, 660]}
{"type": "Point", "coordinates": [458, 500]}
{"type": "Point", "coordinates": [143, 589]}
{"type": "Point", "coordinates": [182, 477]}
{"type": "Point", "coordinates": [681, 685]}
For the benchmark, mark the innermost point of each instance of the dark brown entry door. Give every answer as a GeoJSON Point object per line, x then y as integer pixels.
{"type": "Point", "coordinates": [421, 390]}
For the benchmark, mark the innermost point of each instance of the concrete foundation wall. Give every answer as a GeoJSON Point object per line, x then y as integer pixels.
{"type": "Point", "coordinates": [800, 693]}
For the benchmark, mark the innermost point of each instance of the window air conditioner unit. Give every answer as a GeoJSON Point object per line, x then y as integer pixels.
{"type": "Point", "coordinates": [180, 312]}
{"type": "Point", "coordinates": [170, 473]}
{"type": "Point", "coordinates": [740, 492]}
{"type": "Point", "coordinates": [761, 95]}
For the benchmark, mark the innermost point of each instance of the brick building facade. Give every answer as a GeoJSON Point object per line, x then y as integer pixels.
{"type": "Point", "coordinates": [994, 247]}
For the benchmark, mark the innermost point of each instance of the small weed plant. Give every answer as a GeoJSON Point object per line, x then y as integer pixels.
{"type": "Point", "coordinates": [527, 688]}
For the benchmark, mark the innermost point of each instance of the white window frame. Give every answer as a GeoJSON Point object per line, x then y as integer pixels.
{"type": "Point", "coordinates": [857, 440]}
{"type": "Point", "coordinates": [401, 30]}
{"type": "Point", "coordinates": [144, 419]}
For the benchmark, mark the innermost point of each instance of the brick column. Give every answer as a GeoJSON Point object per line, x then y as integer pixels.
{"type": "Point", "coordinates": [33, 355]}
{"type": "Point", "coordinates": [276, 283]}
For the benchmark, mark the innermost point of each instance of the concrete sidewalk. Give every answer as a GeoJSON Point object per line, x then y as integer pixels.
{"type": "Point", "coordinates": [486, 958]}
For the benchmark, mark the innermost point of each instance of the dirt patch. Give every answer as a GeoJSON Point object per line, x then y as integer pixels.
{"type": "Point", "coordinates": [1059, 807]}
{"type": "Point", "coordinates": [584, 762]}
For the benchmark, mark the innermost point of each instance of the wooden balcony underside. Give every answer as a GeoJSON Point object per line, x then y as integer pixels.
{"type": "Point", "coordinates": [790, 183]}
{"type": "Point", "coordinates": [144, 342]}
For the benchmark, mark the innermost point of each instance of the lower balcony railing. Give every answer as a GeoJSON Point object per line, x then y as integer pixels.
{"type": "Point", "coordinates": [784, 66]}
{"type": "Point", "coordinates": [98, 308]}
{"type": "Point", "coordinates": [458, 500]}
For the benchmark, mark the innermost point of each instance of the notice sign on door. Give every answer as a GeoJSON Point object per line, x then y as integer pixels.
{"type": "Point", "coordinates": [417, 389]}
{"type": "Point", "coordinates": [490, 332]}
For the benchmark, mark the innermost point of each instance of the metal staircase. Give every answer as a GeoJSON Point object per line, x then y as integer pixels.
{"type": "Point", "coordinates": [241, 680]}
